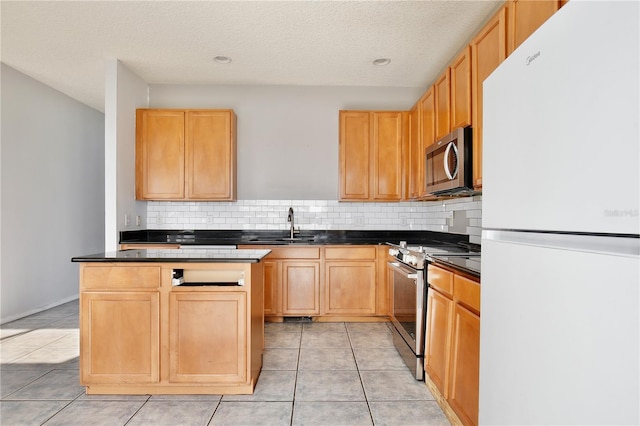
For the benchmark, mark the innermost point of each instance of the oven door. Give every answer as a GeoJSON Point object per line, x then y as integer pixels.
{"type": "Point", "coordinates": [409, 301]}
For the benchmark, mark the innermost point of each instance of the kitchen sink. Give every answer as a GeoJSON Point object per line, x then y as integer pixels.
{"type": "Point", "coordinates": [283, 240]}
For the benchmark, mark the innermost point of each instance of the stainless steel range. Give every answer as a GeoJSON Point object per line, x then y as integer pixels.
{"type": "Point", "coordinates": [407, 276]}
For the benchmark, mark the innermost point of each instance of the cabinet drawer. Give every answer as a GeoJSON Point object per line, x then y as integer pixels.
{"type": "Point", "coordinates": [440, 279]}
{"type": "Point", "coordinates": [350, 252]}
{"type": "Point", "coordinates": [467, 292]}
{"type": "Point", "coordinates": [294, 253]}
{"type": "Point", "coordinates": [120, 277]}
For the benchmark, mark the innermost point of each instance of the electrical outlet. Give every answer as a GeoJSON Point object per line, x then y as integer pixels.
{"type": "Point", "coordinates": [359, 220]}
{"type": "Point", "coordinates": [127, 220]}
{"type": "Point", "coordinates": [159, 220]}
{"type": "Point", "coordinates": [403, 221]}
{"type": "Point", "coordinates": [138, 220]}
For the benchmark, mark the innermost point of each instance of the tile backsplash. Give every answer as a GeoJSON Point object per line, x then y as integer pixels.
{"type": "Point", "coordinates": [460, 215]}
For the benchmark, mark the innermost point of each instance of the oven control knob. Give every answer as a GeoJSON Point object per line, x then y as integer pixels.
{"type": "Point", "coordinates": [393, 251]}
{"type": "Point", "coordinates": [411, 259]}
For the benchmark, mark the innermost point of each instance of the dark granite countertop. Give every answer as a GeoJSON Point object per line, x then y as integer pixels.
{"type": "Point", "coordinates": [200, 255]}
{"type": "Point", "coordinates": [266, 237]}
{"type": "Point", "coordinates": [468, 264]}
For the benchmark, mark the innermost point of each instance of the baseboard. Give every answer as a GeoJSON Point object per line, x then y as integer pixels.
{"type": "Point", "coordinates": [10, 318]}
{"type": "Point", "coordinates": [442, 402]}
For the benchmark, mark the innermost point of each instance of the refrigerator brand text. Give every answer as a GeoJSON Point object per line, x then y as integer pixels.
{"type": "Point", "coordinates": [532, 57]}
{"type": "Point", "coordinates": [621, 213]}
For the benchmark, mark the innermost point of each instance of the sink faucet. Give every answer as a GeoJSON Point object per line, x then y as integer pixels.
{"type": "Point", "coordinates": [290, 219]}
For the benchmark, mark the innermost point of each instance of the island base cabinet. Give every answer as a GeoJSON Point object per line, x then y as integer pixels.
{"type": "Point", "coordinates": [120, 337]}
{"type": "Point", "coordinates": [141, 333]}
{"type": "Point", "coordinates": [207, 337]}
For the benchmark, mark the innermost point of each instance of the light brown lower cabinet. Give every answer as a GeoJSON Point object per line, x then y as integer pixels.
{"type": "Point", "coordinates": [139, 334]}
{"type": "Point", "coordinates": [329, 282]}
{"type": "Point", "coordinates": [350, 278]}
{"type": "Point", "coordinates": [300, 287]}
{"type": "Point", "coordinates": [452, 356]}
{"type": "Point", "coordinates": [120, 335]}
{"type": "Point", "coordinates": [207, 335]}
{"type": "Point", "coordinates": [439, 309]}
{"type": "Point", "coordinates": [271, 292]}
{"type": "Point", "coordinates": [350, 288]}
{"type": "Point", "coordinates": [465, 356]}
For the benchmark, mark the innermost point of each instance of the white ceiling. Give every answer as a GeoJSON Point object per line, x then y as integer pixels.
{"type": "Point", "coordinates": [64, 44]}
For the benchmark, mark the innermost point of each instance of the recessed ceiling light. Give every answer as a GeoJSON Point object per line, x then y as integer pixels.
{"type": "Point", "coordinates": [381, 61]}
{"type": "Point", "coordinates": [222, 59]}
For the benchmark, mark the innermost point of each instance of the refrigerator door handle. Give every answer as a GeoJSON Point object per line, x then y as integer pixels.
{"type": "Point", "coordinates": [589, 243]}
{"type": "Point", "coordinates": [447, 152]}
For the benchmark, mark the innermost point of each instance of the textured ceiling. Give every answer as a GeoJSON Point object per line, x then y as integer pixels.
{"type": "Point", "coordinates": [319, 43]}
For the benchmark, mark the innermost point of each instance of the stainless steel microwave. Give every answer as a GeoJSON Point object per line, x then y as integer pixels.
{"type": "Point", "coordinates": [448, 164]}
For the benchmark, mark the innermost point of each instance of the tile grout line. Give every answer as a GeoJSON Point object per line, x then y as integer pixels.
{"type": "Point", "coordinates": [355, 360]}
{"type": "Point", "coordinates": [295, 382]}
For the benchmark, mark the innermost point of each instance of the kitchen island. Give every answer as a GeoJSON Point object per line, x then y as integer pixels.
{"type": "Point", "coordinates": [171, 321]}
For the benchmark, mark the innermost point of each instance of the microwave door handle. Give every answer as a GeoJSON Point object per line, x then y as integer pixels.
{"type": "Point", "coordinates": [447, 152]}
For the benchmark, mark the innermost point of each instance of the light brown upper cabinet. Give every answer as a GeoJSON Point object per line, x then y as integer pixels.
{"type": "Point", "coordinates": [525, 16]}
{"type": "Point", "coordinates": [443, 105]}
{"type": "Point", "coordinates": [427, 132]}
{"type": "Point", "coordinates": [488, 50]}
{"type": "Point", "coordinates": [371, 155]}
{"type": "Point", "coordinates": [414, 163]}
{"type": "Point", "coordinates": [461, 90]}
{"type": "Point", "coordinates": [453, 96]}
{"type": "Point", "coordinates": [185, 155]}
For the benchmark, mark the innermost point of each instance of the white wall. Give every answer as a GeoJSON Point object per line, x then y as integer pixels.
{"type": "Point", "coordinates": [52, 181]}
{"type": "Point", "coordinates": [124, 92]}
{"type": "Point", "coordinates": [287, 135]}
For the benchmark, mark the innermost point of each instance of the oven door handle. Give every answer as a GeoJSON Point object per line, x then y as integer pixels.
{"type": "Point", "coordinates": [409, 273]}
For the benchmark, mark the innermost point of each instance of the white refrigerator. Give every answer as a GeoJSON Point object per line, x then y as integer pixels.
{"type": "Point", "coordinates": [560, 327]}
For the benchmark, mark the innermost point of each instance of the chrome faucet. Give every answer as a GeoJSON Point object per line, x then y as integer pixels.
{"type": "Point", "coordinates": [290, 219]}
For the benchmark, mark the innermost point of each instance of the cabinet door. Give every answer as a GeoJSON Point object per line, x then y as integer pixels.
{"type": "Point", "coordinates": [387, 156]}
{"type": "Point", "coordinates": [461, 90]}
{"type": "Point", "coordinates": [488, 50]}
{"type": "Point", "coordinates": [465, 361]}
{"type": "Point", "coordinates": [271, 293]}
{"type": "Point", "coordinates": [355, 132]}
{"type": "Point", "coordinates": [443, 105]}
{"type": "Point", "coordinates": [350, 288]}
{"type": "Point", "coordinates": [525, 17]}
{"type": "Point", "coordinates": [119, 337]}
{"type": "Point", "coordinates": [207, 337]}
{"type": "Point", "coordinates": [211, 156]}
{"type": "Point", "coordinates": [160, 155]}
{"type": "Point", "coordinates": [300, 288]}
{"type": "Point", "coordinates": [415, 153]}
{"type": "Point", "coordinates": [428, 131]}
{"type": "Point", "coordinates": [438, 338]}
{"type": "Point", "coordinates": [383, 296]}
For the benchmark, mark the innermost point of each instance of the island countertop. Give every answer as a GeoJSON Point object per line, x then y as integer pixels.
{"type": "Point", "coordinates": [199, 255]}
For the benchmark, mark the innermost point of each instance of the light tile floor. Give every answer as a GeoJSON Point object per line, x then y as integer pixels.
{"type": "Point", "coordinates": [313, 374]}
